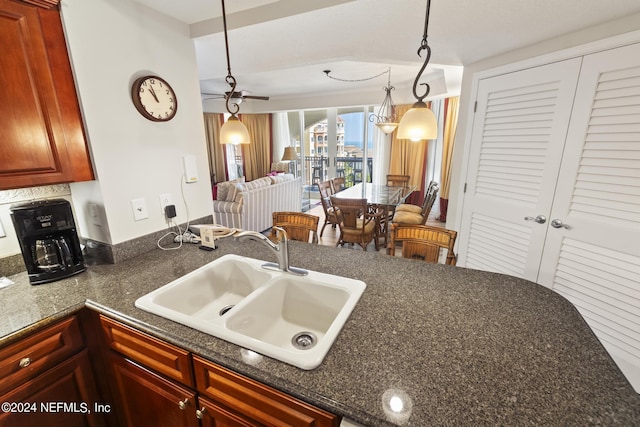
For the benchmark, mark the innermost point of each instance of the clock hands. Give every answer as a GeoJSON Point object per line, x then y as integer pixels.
{"type": "Point", "coordinates": [153, 92]}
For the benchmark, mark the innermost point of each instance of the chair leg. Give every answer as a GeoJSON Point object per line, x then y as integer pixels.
{"type": "Point", "coordinates": [325, 224]}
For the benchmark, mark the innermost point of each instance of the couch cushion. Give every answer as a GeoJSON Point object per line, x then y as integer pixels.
{"type": "Point", "coordinates": [280, 178]}
{"type": "Point", "coordinates": [233, 191]}
{"type": "Point", "coordinates": [225, 186]}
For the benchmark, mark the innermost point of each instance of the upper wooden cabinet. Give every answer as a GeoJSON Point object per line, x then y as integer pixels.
{"type": "Point", "coordinates": [42, 139]}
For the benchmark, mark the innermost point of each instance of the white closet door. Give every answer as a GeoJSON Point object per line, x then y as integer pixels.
{"type": "Point", "coordinates": [595, 263]}
{"type": "Point", "coordinates": [518, 136]}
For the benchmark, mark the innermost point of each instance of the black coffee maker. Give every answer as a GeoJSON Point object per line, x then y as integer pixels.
{"type": "Point", "coordinates": [48, 240]}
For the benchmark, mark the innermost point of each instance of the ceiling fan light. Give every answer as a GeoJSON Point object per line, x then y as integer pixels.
{"type": "Point", "coordinates": [418, 123]}
{"type": "Point", "coordinates": [387, 127]}
{"type": "Point", "coordinates": [234, 132]}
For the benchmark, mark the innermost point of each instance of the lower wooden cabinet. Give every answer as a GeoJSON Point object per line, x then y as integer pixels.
{"type": "Point", "coordinates": [159, 391]}
{"type": "Point", "coordinates": [47, 380]}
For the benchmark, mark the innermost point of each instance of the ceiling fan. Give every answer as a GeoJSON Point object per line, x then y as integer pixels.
{"type": "Point", "coordinates": [236, 97]}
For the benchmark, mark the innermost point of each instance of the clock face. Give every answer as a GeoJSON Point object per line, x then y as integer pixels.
{"type": "Point", "coordinates": [154, 98]}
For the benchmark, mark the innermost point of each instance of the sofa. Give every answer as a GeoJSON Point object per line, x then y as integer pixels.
{"type": "Point", "coordinates": [248, 205]}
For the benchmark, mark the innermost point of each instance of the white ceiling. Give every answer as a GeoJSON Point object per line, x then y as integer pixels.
{"type": "Point", "coordinates": [280, 48]}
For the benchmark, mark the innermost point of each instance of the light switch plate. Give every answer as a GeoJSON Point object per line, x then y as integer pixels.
{"type": "Point", "coordinates": [139, 209]}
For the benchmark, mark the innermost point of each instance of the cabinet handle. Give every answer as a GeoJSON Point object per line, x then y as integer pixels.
{"type": "Point", "coordinates": [540, 219]}
{"type": "Point", "coordinates": [24, 362]}
{"type": "Point", "coordinates": [183, 404]}
{"type": "Point", "coordinates": [557, 223]}
{"type": "Point", "coordinates": [200, 413]}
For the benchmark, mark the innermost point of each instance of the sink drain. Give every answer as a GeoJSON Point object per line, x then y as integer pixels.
{"type": "Point", "coordinates": [304, 340]}
{"type": "Point", "coordinates": [225, 309]}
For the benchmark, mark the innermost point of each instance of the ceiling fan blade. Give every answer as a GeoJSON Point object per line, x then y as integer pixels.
{"type": "Point", "coordinates": [261, 98]}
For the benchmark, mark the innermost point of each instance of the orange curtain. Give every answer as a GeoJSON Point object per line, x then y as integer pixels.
{"type": "Point", "coordinates": [450, 124]}
{"type": "Point", "coordinates": [215, 151]}
{"type": "Point", "coordinates": [256, 156]}
{"type": "Point", "coordinates": [407, 157]}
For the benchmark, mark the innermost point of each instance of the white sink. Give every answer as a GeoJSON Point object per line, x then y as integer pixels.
{"type": "Point", "coordinates": [290, 318]}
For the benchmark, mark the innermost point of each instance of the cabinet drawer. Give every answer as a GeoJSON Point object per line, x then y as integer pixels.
{"type": "Point", "coordinates": [255, 400]}
{"type": "Point", "coordinates": [151, 352]}
{"type": "Point", "coordinates": [38, 352]}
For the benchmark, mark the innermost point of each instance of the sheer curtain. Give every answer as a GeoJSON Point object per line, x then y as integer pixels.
{"type": "Point", "coordinates": [281, 138]}
{"type": "Point", "coordinates": [382, 150]}
{"type": "Point", "coordinates": [408, 158]}
{"type": "Point", "coordinates": [256, 156]}
{"type": "Point", "coordinates": [215, 151]}
{"type": "Point", "coordinates": [450, 123]}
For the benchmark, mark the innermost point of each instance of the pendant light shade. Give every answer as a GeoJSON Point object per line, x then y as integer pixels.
{"type": "Point", "coordinates": [418, 123]}
{"type": "Point", "coordinates": [234, 132]}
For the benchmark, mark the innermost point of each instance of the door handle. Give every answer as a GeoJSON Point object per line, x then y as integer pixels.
{"type": "Point", "coordinates": [540, 219]}
{"type": "Point", "coordinates": [556, 223]}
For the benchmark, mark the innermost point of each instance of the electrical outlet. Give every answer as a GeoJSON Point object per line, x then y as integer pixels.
{"type": "Point", "coordinates": [165, 200]}
{"type": "Point", "coordinates": [139, 209]}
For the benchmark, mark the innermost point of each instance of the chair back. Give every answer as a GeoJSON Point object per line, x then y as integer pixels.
{"type": "Point", "coordinates": [423, 242]}
{"type": "Point", "coordinates": [298, 225]}
{"type": "Point", "coordinates": [349, 211]}
{"type": "Point", "coordinates": [337, 184]}
{"type": "Point", "coordinates": [429, 200]}
{"type": "Point", "coordinates": [398, 180]}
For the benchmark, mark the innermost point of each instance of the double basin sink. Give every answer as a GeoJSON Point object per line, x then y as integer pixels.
{"type": "Point", "coordinates": [294, 319]}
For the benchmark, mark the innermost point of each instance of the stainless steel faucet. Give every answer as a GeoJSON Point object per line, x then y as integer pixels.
{"type": "Point", "coordinates": [281, 249]}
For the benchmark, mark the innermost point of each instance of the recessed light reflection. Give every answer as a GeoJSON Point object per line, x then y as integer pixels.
{"type": "Point", "coordinates": [250, 357]}
{"type": "Point", "coordinates": [397, 406]}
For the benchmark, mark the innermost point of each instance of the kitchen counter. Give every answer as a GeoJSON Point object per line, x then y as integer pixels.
{"type": "Point", "coordinates": [425, 345]}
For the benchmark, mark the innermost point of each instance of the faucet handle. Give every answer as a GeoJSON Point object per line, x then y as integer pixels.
{"type": "Point", "coordinates": [281, 233]}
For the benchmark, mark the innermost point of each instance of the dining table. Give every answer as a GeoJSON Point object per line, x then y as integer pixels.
{"type": "Point", "coordinates": [380, 197]}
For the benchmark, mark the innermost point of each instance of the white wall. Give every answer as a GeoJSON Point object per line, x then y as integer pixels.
{"type": "Point", "coordinates": [554, 49]}
{"type": "Point", "coordinates": [111, 43]}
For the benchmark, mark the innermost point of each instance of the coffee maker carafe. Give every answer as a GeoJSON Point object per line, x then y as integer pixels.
{"type": "Point", "coordinates": [48, 240]}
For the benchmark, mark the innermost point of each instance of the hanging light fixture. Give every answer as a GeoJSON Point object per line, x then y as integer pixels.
{"type": "Point", "coordinates": [233, 131]}
{"type": "Point", "coordinates": [385, 119]}
{"type": "Point", "coordinates": [419, 122]}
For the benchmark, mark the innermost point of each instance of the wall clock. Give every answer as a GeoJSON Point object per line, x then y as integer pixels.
{"type": "Point", "coordinates": [154, 98]}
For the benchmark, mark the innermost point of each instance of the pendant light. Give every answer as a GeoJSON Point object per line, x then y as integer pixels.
{"type": "Point", "coordinates": [419, 122]}
{"type": "Point", "coordinates": [385, 119]}
{"type": "Point", "coordinates": [233, 131]}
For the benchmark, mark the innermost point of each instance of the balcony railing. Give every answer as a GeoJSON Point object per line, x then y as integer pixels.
{"type": "Point", "coordinates": [316, 168]}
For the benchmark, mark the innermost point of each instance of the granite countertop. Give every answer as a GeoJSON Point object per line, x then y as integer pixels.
{"type": "Point", "coordinates": [454, 346]}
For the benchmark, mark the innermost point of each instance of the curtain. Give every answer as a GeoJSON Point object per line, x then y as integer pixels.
{"type": "Point", "coordinates": [215, 151]}
{"type": "Point", "coordinates": [450, 124]}
{"type": "Point", "coordinates": [408, 158]}
{"type": "Point", "coordinates": [256, 156]}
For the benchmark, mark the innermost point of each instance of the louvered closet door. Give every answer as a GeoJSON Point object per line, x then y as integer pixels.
{"type": "Point", "coordinates": [518, 137]}
{"type": "Point", "coordinates": [595, 263]}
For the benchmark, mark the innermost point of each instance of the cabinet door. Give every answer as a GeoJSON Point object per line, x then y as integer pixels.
{"type": "Point", "coordinates": [70, 382]}
{"type": "Point", "coordinates": [40, 123]}
{"type": "Point", "coordinates": [147, 399]}
{"type": "Point", "coordinates": [595, 262]}
{"type": "Point", "coordinates": [518, 135]}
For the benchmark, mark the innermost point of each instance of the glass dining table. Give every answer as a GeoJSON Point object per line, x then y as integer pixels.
{"type": "Point", "coordinates": [380, 197]}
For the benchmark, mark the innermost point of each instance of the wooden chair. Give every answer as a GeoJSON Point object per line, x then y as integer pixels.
{"type": "Point", "coordinates": [415, 208]}
{"type": "Point", "coordinates": [356, 224]}
{"type": "Point", "coordinates": [330, 217]}
{"type": "Point", "coordinates": [298, 225]}
{"type": "Point", "coordinates": [423, 242]}
{"type": "Point", "coordinates": [398, 180]}
{"type": "Point", "coordinates": [338, 184]}
{"type": "Point", "coordinates": [412, 214]}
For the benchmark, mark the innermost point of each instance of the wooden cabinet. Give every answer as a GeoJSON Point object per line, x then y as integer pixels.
{"type": "Point", "coordinates": [47, 379]}
{"type": "Point", "coordinates": [162, 385]}
{"type": "Point", "coordinates": [42, 136]}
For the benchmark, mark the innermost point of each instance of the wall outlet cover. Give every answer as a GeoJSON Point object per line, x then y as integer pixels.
{"type": "Point", "coordinates": [165, 200]}
{"type": "Point", "coordinates": [139, 207]}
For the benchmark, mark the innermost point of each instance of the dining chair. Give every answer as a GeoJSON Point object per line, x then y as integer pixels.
{"type": "Point", "coordinates": [423, 242]}
{"type": "Point", "coordinates": [398, 180]}
{"type": "Point", "coordinates": [410, 207]}
{"type": "Point", "coordinates": [338, 184]}
{"type": "Point", "coordinates": [413, 214]}
{"type": "Point", "coordinates": [298, 225]}
{"type": "Point", "coordinates": [330, 217]}
{"type": "Point", "coordinates": [356, 223]}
